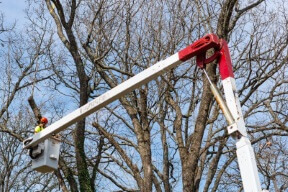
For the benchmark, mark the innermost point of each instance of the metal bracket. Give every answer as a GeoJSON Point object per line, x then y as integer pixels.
{"type": "Point", "coordinates": [232, 128]}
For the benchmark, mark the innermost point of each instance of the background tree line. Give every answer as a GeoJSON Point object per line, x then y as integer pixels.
{"type": "Point", "coordinates": [168, 135]}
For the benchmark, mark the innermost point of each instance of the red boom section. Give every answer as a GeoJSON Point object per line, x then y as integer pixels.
{"type": "Point", "coordinates": [200, 47]}
{"type": "Point", "coordinates": [225, 64]}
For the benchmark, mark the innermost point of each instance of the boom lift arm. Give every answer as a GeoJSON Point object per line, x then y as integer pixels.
{"type": "Point", "coordinates": [232, 110]}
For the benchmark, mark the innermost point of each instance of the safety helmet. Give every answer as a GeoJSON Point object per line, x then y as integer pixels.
{"type": "Point", "coordinates": [44, 120]}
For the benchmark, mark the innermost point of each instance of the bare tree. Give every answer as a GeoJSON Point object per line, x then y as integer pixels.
{"type": "Point", "coordinates": [19, 59]}
{"type": "Point", "coordinates": [122, 39]}
{"type": "Point", "coordinates": [169, 134]}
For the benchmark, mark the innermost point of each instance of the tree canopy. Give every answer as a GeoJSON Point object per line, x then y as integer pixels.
{"type": "Point", "coordinates": [167, 135]}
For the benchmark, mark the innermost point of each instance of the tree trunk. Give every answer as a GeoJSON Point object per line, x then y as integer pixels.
{"type": "Point", "coordinates": [189, 167]}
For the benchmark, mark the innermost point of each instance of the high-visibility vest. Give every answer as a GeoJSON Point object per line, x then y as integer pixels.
{"type": "Point", "coordinates": [38, 129]}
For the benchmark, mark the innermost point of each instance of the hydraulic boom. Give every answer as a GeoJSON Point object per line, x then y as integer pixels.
{"type": "Point", "coordinates": [231, 108]}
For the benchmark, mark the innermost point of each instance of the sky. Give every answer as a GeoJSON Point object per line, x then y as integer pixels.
{"type": "Point", "coordinates": [13, 10]}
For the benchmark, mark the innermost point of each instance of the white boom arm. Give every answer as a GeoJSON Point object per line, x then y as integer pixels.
{"type": "Point", "coordinates": [108, 97]}
{"type": "Point", "coordinates": [244, 150]}
{"type": "Point", "coordinates": [198, 47]}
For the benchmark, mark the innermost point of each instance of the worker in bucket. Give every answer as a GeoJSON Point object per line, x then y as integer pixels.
{"type": "Point", "coordinates": [41, 126]}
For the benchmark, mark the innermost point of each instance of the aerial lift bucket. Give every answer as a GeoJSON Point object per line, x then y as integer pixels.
{"type": "Point", "coordinates": [45, 155]}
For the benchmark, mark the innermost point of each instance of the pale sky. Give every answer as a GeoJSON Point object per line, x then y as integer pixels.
{"type": "Point", "coordinates": [13, 10]}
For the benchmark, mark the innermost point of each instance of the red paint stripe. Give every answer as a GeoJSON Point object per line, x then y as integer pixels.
{"type": "Point", "coordinates": [225, 64]}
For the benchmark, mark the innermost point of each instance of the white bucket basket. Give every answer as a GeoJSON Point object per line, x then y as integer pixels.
{"type": "Point", "coordinates": [47, 161]}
